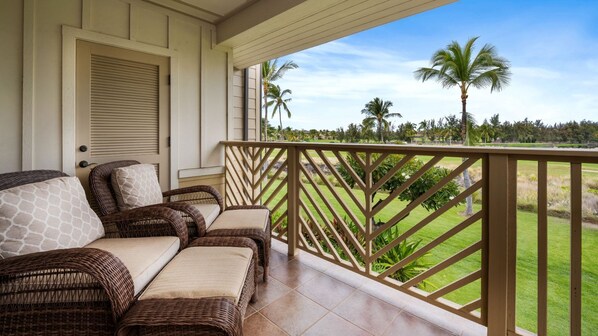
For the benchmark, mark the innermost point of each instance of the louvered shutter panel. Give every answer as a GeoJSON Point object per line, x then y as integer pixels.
{"type": "Point", "coordinates": [124, 111]}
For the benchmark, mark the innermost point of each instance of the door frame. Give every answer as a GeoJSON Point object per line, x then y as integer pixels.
{"type": "Point", "coordinates": [70, 35]}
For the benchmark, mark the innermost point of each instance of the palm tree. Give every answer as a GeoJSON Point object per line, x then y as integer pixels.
{"type": "Point", "coordinates": [423, 128]}
{"type": "Point", "coordinates": [457, 66]}
{"type": "Point", "coordinates": [280, 102]}
{"type": "Point", "coordinates": [378, 110]}
{"type": "Point", "coordinates": [454, 66]}
{"type": "Point", "coordinates": [271, 72]}
{"type": "Point", "coordinates": [486, 131]}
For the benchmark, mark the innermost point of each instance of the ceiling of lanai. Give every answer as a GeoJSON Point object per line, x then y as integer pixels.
{"type": "Point", "coordinates": [260, 30]}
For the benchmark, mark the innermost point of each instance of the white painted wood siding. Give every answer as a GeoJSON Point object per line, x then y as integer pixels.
{"type": "Point", "coordinates": [31, 132]}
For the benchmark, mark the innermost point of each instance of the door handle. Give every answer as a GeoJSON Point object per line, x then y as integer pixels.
{"type": "Point", "coordinates": [85, 164]}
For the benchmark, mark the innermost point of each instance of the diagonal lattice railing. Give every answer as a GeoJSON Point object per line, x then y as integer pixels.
{"type": "Point", "coordinates": [396, 214]}
{"type": "Point", "coordinates": [346, 213]}
{"type": "Point", "coordinates": [257, 175]}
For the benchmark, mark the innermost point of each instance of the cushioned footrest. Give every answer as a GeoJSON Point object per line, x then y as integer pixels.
{"type": "Point", "coordinates": [204, 290]}
{"type": "Point", "coordinates": [250, 221]}
{"type": "Point", "coordinates": [207, 316]}
{"type": "Point", "coordinates": [241, 219]}
{"type": "Point", "coordinates": [202, 271]}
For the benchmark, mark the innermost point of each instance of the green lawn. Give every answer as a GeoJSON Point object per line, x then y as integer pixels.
{"type": "Point", "coordinates": [526, 267]}
{"type": "Point", "coordinates": [589, 171]}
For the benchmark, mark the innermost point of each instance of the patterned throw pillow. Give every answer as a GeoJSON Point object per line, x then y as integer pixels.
{"type": "Point", "coordinates": [136, 186]}
{"type": "Point", "coordinates": [48, 215]}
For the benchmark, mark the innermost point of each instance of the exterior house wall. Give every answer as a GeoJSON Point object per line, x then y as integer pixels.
{"type": "Point", "coordinates": [253, 102]}
{"type": "Point", "coordinates": [32, 135]}
{"type": "Point", "coordinates": [11, 74]}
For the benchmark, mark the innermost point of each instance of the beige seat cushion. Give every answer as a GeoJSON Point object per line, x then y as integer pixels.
{"type": "Point", "coordinates": [241, 219]}
{"type": "Point", "coordinates": [136, 186]}
{"type": "Point", "coordinates": [208, 211]}
{"type": "Point", "coordinates": [44, 216]}
{"type": "Point", "coordinates": [201, 272]}
{"type": "Point", "coordinates": [143, 257]}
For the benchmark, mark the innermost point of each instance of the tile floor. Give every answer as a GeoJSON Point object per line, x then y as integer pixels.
{"type": "Point", "coordinates": [306, 295]}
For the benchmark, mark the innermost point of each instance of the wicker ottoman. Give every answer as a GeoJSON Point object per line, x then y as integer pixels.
{"type": "Point", "coordinates": [250, 221]}
{"type": "Point", "coordinates": [204, 290]}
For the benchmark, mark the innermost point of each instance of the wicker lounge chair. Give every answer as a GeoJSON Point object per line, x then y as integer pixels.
{"type": "Point", "coordinates": [197, 204]}
{"type": "Point", "coordinates": [69, 291]}
{"type": "Point", "coordinates": [87, 290]}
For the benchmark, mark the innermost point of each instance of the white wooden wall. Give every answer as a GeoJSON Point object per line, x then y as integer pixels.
{"type": "Point", "coordinates": [31, 111]}
{"type": "Point", "coordinates": [253, 102]}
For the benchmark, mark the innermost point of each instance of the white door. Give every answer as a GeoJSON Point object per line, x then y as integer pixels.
{"type": "Point", "coordinates": [122, 108]}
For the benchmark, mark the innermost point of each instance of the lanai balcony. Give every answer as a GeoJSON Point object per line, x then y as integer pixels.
{"type": "Point", "coordinates": [335, 268]}
{"type": "Point", "coordinates": [346, 237]}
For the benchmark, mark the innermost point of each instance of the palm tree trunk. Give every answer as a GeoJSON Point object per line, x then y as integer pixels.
{"type": "Point", "coordinates": [463, 116]}
{"type": "Point", "coordinates": [466, 177]}
{"type": "Point", "coordinates": [468, 199]}
{"type": "Point", "coordinates": [280, 118]}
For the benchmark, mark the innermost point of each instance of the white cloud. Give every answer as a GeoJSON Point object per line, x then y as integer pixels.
{"type": "Point", "coordinates": [337, 79]}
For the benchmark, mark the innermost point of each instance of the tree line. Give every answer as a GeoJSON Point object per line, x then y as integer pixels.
{"type": "Point", "coordinates": [447, 130]}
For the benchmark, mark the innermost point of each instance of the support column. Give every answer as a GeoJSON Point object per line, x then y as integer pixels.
{"type": "Point", "coordinates": [292, 200]}
{"type": "Point", "coordinates": [500, 291]}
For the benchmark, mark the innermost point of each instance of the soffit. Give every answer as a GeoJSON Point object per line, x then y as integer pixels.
{"type": "Point", "coordinates": [212, 11]}
{"type": "Point", "coordinates": [256, 37]}
{"type": "Point", "coordinates": [259, 30]}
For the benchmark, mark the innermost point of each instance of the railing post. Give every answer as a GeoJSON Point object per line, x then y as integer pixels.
{"type": "Point", "coordinates": [500, 289]}
{"type": "Point", "coordinates": [292, 199]}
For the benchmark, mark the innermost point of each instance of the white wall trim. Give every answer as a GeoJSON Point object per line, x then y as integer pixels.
{"type": "Point", "coordinates": [28, 127]}
{"type": "Point", "coordinates": [197, 172]}
{"type": "Point", "coordinates": [202, 91]}
{"type": "Point", "coordinates": [230, 109]}
{"type": "Point", "coordinates": [70, 35]}
{"type": "Point", "coordinates": [86, 14]}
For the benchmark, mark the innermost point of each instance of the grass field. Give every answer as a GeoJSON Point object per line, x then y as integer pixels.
{"type": "Point", "coordinates": [527, 172]}
{"type": "Point", "coordinates": [558, 264]}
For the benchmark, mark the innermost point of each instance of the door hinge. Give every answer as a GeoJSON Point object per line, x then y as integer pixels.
{"type": "Point", "coordinates": [168, 79]}
{"type": "Point", "coordinates": [168, 141]}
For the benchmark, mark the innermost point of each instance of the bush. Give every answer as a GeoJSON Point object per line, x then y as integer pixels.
{"type": "Point", "coordinates": [429, 179]}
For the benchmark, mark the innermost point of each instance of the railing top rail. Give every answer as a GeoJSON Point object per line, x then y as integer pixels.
{"type": "Point", "coordinates": [548, 154]}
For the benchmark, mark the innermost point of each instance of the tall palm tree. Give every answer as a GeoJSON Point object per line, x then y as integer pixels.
{"type": "Point", "coordinates": [271, 72]}
{"type": "Point", "coordinates": [458, 66]}
{"type": "Point", "coordinates": [280, 102]}
{"type": "Point", "coordinates": [423, 128]}
{"type": "Point", "coordinates": [486, 131]}
{"type": "Point", "coordinates": [378, 110]}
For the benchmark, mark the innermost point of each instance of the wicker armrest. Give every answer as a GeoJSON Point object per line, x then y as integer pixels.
{"type": "Point", "coordinates": [195, 216]}
{"type": "Point", "coordinates": [50, 286]}
{"type": "Point", "coordinates": [149, 221]}
{"type": "Point", "coordinates": [195, 194]}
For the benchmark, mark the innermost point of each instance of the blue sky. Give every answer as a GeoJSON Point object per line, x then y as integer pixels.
{"type": "Point", "coordinates": [552, 46]}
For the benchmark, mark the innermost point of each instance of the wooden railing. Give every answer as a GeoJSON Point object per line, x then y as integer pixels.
{"type": "Point", "coordinates": [391, 214]}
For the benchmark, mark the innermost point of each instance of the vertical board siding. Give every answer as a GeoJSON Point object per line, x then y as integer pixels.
{"type": "Point", "coordinates": [239, 102]}
{"type": "Point", "coordinates": [39, 41]}
{"type": "Point", "coordinates": [11, 71]}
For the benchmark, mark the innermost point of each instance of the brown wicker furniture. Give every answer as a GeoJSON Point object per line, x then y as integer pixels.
{"type": "Point", "coordinates": [194, 316]}
{"type": "Point", "coordinates": [77, 290]}
{"type": "Point", "coordinates": [88, 290]}
{"type": "Point", "coordinates": [185, 200]}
